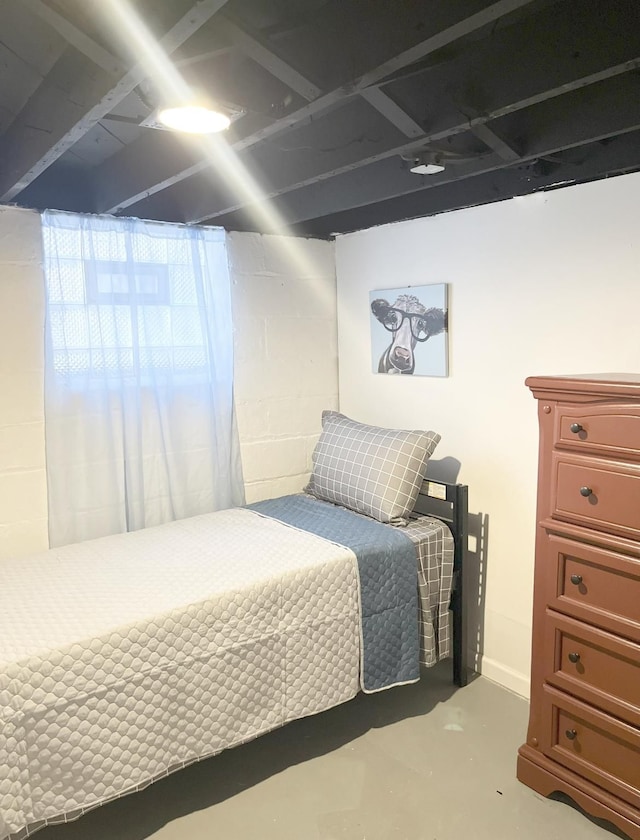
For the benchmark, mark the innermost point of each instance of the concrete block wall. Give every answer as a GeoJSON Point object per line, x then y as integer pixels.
{"type": "Point", "coordinates": [23, 484]}
{"type": "Point", "coordinates": [286, 356]}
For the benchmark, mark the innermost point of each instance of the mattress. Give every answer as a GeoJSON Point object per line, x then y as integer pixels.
{"type": "Point", "coordinates": [126, 658]}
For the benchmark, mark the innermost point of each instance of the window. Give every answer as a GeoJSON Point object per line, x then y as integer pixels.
{"type": "Point", "coordinates": [125, 302]}
{"type": "Point", "coordinates": [139, 415]}
{"type": "Point", "coordinates": [111, 282]}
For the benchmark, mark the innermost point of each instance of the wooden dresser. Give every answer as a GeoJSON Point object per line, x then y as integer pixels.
{"type": "Point", "coordinates": [584, 726]}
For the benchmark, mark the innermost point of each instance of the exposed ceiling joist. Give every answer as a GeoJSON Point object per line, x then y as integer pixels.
{"type": "Point", "coordinates": [262, 53]}
{"type": "Point", "coordinates": [528, 85]}
{"type": "Point", "coordinates": [116, 190]}
{"type": "Point", "coordinates": [29, 48]}
{"type": "Point", "coordinates": [607, 109]}
{"type": "Point", "coordinates": [601, 118]}
{"type": "Point", "coordinates": [620, 157]}
{"type": "Point", "coordinates": [446, 36]}
{"type": "Point", "coordinates": [495, 142]}
{"type": "Point", "coordinates": [77, 38]}
{"type": "Point", "coordinates": [258, 50]}
{"type": "Point", "coordinates": [338, 98]}
{"type": "Point", "coordinates": [69, 102]}
{"type": "Point", "coordinates": [197, 58]}
{"type": "Point", "coordinates": [379, 181]}
{"type": "Point", "coordinates": [389, 109]}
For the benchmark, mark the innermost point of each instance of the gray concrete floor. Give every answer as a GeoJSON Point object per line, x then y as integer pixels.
{"type": "Point", "coordinates": [420, 762]}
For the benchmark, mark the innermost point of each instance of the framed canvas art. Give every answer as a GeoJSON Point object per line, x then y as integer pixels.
{"type": "Point", "coordinates": [409, 330]}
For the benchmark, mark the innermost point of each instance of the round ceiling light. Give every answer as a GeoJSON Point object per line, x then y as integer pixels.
{"type": "Point", "coordinates": [194, 119]}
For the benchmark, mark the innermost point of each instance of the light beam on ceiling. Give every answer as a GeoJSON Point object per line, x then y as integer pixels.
{"type": "Point", "coordinates": [136, 40]}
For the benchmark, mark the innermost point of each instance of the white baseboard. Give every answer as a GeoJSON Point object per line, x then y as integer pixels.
{"type": "Point", "coordinates": [503, 675]}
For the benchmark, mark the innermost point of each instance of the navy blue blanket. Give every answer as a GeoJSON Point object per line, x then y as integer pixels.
{"type": "Point", "coordinates": [388, 583]}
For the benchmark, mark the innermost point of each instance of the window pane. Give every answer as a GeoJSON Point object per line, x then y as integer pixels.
{"type": "Point", "coordinates": [154, 326]}
{"type": "Point", "coordinates": [63, 243]}
{"type": "Point", "coordinates": [156, 358]}
{"type": "Point", "coordinates": [148, 249]}
{"type": "Point", "coordinates": [108, 283]}
{"type": "Point", "coordinates": [65, 282]}
{"type": "Point", "coordinates": [116, 360]}
{"type": "Point", "coordinates": [68, 326]}
{"type": "Point", "coordinates": [179, 251]}
{"type": "Point", "coordinates": [182, 284]}
{"type": "Point", "coordinates": [147, 284]}
{"type": "Point", "coordinates": [71, 362]}
{"type": "Point", "coordinates": [190, 358]}
{"type": "Point", "coordinates": [187, 329]}
{"type": "Point", "coordinates": [110, 326]}
{"type": "Point", "coordinates": [105, 245]}
{"type": "Point", "coordinates": [122, 302]}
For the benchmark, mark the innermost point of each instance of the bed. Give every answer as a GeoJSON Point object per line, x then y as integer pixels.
{"type": "Point", "coordinates": [125, 658]}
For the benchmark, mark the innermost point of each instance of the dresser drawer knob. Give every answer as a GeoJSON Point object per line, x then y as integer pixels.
{"type": "Point", "coordinates": [574, 657]}
{"type": "Point", "coordinates": [585, 491]}
{"type": "Point", "coordinates": [571, 734]}
{"type": "Point", "coordinates": [575, 428]}
{"type": "Point", "coordinates": [576, 580]}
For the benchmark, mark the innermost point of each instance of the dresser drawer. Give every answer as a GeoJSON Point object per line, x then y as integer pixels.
{"type": "Point", "coordinates": [593, 665]}
{"type": "Point", "coordinates": [594, 585]}
{"type": "Point", "coordinates": [598, 494]}
{"type": "Point", "coordinates": [593, 744]}
{"type": "Point", "coordinates": [605, 429]}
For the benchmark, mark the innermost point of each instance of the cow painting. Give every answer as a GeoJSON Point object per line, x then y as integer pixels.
{"type": "Point", "coordinates": [410, 323]}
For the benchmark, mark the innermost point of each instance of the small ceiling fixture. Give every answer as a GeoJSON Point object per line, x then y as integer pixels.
{"type": "Point", "coordinates": [427, 163]}
{"type": "Point", "coordinates": [194, 119]}
{"type": "Point", "coordinates": [433, 161]}
{"type": "Point", "coordinates": [427, 169]}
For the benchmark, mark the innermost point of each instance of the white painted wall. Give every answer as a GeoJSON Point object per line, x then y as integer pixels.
{"type": "Point", "coordinates": [286, 355]}
{"type": "Point", "coordinates": [284, 302]}
{"type": "Point", "coordinates": [23, 487]}
{"type": "Point", "coordinates": [538, 285]}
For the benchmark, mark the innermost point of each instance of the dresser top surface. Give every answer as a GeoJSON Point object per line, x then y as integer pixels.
{"type": "Point", "coordinates": [593, 384]}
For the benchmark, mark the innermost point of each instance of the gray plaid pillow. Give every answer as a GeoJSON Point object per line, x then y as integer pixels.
{"type": "Point", "coordinates": [370, 469]}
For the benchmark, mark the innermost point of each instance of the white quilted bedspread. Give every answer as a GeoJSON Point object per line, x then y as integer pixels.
{"type": "Point", "coordinates": [127, 657]}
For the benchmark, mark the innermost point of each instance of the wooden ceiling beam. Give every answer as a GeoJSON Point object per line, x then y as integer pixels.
{"type": "Point", "coordinates": [71, 100]}
{"type": "Point", "coordinates": [534, 81]}
{"type": "Point", "coordinates": [389, 108]}
{"type": "Point", "coordinates": [28, 50]}
{"type": "Point", "coordinates": [116, 191]}
{"type": "Point", "coordinates": [605, 113]}
{"type": "Point", "coordinates": [449, 35]}
{"type": "Point", "coordinates": [619, 157]}
{"type": "Point", "coordinates": [495, 142]}
{"type": "Point", "coordinates": [199, 57]}
{"type": "Point", "coordinates": [259, 50]}
{"type": "Point", "coordinates": [77, 38]}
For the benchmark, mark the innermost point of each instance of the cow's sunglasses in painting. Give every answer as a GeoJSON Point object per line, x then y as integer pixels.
{"type": "Point", "coordinates": [392, 319]}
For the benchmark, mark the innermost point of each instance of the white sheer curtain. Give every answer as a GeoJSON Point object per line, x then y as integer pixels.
{"type": "Point", "coordinates": [139, 416]}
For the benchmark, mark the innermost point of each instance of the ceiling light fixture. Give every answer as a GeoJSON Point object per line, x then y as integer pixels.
{"type": "Point", "coordinates": [427, 169]}
{"type": "Point", "coordinates": [194, 119]}
{"type": "Point", "coordinates": [427, 164]}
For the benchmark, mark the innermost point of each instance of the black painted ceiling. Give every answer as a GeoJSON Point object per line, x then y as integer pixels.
{"type": "Point", "coordinates": [334, 101]}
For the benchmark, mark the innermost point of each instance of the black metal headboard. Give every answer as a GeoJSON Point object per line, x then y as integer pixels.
{"type": "Point", "coordinates": [450, 502]}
